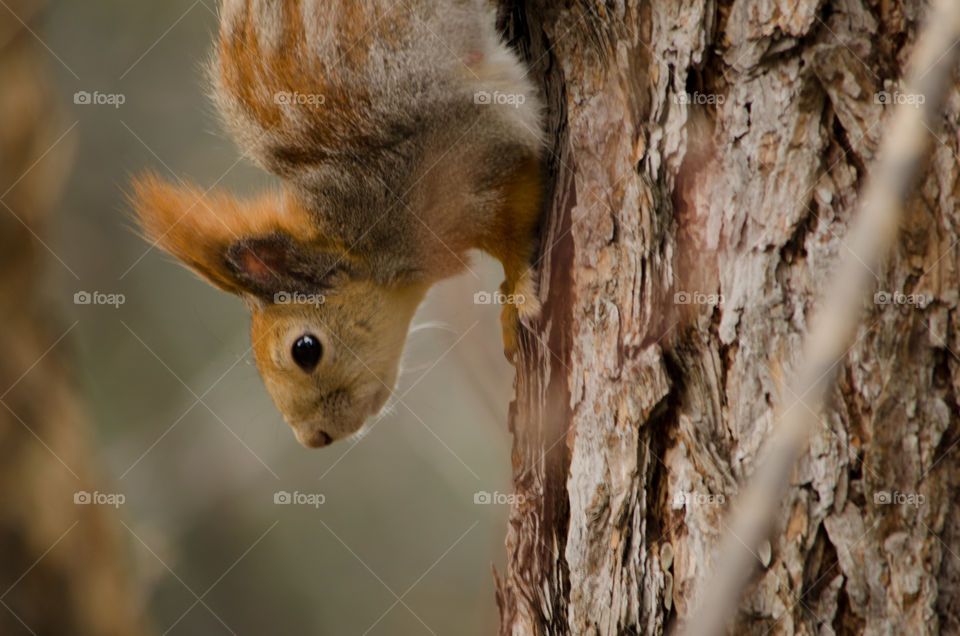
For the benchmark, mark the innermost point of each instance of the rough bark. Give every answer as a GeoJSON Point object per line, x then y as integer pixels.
{"type": "Point", "coordinates": [61, 565]}
{"type": "Point", "coordinates": [638, 418]}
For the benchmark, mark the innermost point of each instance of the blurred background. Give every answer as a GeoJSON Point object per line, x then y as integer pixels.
{"type": "Point", "coordinates": [143, 455]}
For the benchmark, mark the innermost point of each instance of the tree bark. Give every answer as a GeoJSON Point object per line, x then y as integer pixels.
{"type": "Point", "coordinates": [62, 566]}
{"type": "Point", "coordinates": [706, 160]}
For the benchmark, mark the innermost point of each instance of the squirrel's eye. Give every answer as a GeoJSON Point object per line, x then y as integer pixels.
{"type": "Point", "coordinates": [306, 352]}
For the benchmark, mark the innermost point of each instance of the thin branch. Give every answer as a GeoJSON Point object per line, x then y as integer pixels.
{"type": "Point", "coordinates": [890, 181]}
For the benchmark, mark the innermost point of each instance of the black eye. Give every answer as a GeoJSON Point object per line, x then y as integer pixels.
{"type": "Point", "coordinates": [307, 352]}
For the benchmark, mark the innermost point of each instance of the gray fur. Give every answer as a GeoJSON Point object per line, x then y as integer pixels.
{"type": "Point", "coordinates": [406, 186]}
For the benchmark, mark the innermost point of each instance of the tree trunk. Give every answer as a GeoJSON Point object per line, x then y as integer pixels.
{"type": "Point", "coordinates": [62, 566]}
{"type": "Point", "coordinates": [705, 163]}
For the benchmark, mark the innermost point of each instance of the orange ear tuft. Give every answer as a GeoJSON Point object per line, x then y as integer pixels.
{"type": "Point", "coordinates": [199, 228]}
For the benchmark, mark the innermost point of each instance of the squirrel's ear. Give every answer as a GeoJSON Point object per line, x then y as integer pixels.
{"type": "Point", "coordinates": [258, 247]}
{"type": "Point", "coordinates": [267, 265]}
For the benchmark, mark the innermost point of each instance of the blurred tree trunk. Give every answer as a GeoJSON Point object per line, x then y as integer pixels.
{"type": "Point", "coordinates": [717, 148]}
{"type": "Point", "coordinates": [61, 565]}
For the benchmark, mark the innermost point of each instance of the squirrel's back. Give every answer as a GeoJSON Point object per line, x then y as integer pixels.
{"type": "Point", "coordinates": [301, 82]}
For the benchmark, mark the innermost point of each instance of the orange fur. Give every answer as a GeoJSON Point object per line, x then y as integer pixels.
{"type": "Point", "coordinates": [512, 240]}
{"type": "Point", "coordinates": [255, 74]}
{"type": "Point", "coordinates": [198, 228]}
{"type": "Point", "coordinates": [399, 162]}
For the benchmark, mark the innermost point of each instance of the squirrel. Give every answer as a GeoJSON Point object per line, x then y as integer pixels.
{"type": "Point", "coordinates": [403, 135]}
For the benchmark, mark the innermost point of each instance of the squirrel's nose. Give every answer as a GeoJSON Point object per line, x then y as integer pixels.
{"type": "Point", "coordinates": [321, 439]}
{"type": "Point", "coordinates": [312, 438]}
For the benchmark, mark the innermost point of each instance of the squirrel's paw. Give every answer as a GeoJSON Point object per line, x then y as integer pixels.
{"type": "Point", "coordinates": [510, 323]}
{"type": "Point", "coordinates": [522, 305]}
{"type": "Point", "coordinates": [525, 297]}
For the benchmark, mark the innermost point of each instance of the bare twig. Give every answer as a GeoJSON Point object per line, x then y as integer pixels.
{"type": "Point", "coordinates": [890, 181]}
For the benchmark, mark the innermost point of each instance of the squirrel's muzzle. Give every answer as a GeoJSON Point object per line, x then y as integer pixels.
{"type": "Point", "coordinates": [312, 438]}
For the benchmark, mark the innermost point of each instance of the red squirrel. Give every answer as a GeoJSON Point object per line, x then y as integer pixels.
{"type": "Point", "coordinates": [404, 134]}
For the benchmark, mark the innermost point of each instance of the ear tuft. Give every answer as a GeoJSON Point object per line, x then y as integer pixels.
{"type": "Point", "coordinates": [186, 223]}
{"type": "Point", "coordinates": [235, 245]}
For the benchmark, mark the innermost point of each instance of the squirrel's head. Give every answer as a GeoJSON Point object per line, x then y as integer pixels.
{"type": "Point", "coordinates": [327, 338]}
